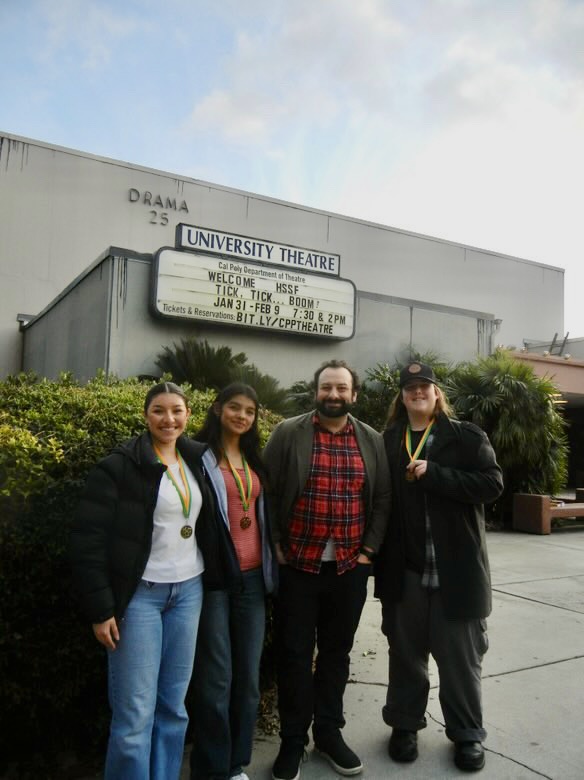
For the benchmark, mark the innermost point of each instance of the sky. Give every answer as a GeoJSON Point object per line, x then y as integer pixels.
{"type": "Point", "coordinates": [460, 119]}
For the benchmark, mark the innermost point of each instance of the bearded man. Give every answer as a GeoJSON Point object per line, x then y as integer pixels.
{"type": "Point", "coordinates": [330, 491]}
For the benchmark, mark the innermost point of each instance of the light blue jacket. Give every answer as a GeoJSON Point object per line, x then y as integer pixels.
{"type": "Point", "coordinates": [217, 483]}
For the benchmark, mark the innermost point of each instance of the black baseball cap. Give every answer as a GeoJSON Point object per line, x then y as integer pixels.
{"type": "Point", "coordinates": [416, 372]}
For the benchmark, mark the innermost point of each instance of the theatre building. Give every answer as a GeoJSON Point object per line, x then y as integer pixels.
{"type": "Point", "coordinates": [103, 263]}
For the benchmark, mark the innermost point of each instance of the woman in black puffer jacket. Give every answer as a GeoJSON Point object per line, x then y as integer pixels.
{"type": "Point", "coordinates": [144, 538]}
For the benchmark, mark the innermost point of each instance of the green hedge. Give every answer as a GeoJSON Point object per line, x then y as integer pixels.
{"type": "Point", "coordinates": [517, 409]}
{"type": "Point", "coordinates": [52, 671]}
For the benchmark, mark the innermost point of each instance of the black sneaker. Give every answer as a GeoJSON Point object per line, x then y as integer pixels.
{"type": "Point", "coordinates": [403, 745]}
{"type": "Point", "coordinates": [333, 747]}
{"type": "Point", "coordinates": [469, 756]}
{"type": "Point", "coordinates": [287, 763]}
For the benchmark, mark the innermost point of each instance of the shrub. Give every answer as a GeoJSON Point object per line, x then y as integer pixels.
{"type": "Point", "coordinates": [203, 366]}
{"type": "Point", "coordinates": [200, 364]}
{"type": "Point", "coordinates": [52, 671]}
{"type": "Point", "coordinates": [516, 409]}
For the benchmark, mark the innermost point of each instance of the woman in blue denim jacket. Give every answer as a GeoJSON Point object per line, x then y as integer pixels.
{"type": "Point", "coordinates": [225, 686]}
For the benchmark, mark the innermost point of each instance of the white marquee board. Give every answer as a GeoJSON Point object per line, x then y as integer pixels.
{"type": "Point", "coordinates": [231, 292]}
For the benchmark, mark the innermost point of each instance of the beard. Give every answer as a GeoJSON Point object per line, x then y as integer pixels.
{"type": "Point", "coordinates": [339, 409]}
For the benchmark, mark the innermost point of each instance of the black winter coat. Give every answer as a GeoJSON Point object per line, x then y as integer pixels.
{"type": "Point", "coordinates": [462, 474]}
{"type": "Point", "coordinates": [111, 536]}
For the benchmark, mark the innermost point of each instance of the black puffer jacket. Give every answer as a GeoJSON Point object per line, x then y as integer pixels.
{"type": "Point", "coordinates": [112, 530]}
{"type": "Point", "coordinates": [461, 476]}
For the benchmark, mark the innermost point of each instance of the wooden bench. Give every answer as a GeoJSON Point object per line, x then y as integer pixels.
{"type": "Point", "coordinates": [533, 514]}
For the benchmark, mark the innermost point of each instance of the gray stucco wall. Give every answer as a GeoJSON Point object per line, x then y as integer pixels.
{"type": "Point", "coordinates": [72, 334]}
{"type": "Point", "coordinates": [59, 208]}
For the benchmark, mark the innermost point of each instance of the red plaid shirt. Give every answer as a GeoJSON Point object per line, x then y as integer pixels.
{"type": "Point", "coordinates": [332, 504]}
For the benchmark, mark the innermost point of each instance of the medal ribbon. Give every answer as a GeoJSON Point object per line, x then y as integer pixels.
{"type": "Point", "coordinates": [408, 440]}
{"type": "Point", "coordinates": [245, 495]}
{"type": "Point", "coordinates": [186, 497]}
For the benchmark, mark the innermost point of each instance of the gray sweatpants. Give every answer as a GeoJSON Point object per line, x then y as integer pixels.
{"type": "Point", "coordinates": [415, 627]}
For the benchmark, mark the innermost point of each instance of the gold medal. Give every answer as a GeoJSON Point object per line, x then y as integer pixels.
{"type": "Point", "coordinates": [186, 532]}
{"type": "Point", "coordinates": [410, 476]}
{"type": "Point", "coordinates": [244, 493]}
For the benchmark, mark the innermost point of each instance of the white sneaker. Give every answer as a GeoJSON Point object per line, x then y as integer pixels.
{"type": "Point", "coordinates": [240, 776]}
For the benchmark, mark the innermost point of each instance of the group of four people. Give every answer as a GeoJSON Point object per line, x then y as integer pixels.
{"type": "Point", "coordinates": [177, 541]}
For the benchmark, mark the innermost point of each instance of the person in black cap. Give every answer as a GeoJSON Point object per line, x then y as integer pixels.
{"type": "Point", "coordinates": [432, 573]}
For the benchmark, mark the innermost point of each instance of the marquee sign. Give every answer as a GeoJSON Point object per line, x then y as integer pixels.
{"type": "Point", "coordinates": [244, 248]}
{"type": "Point", "coordinates": [223, 291]}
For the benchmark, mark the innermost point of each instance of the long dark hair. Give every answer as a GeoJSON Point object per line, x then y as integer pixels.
{"type": "Point", "coordinates": [249, 442]}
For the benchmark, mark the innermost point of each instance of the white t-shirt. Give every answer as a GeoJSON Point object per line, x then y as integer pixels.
{"type": "Point", "coordinates": [173, 558]}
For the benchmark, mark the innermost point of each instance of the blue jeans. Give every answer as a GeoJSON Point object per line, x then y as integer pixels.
{"type": "Point", "coordinates": [148, 677]}
{"type": "Point", "coordinates": [226, 679]}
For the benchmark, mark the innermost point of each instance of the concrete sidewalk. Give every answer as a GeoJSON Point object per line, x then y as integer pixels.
{"type": "Point", "coordinates": [533, 676]}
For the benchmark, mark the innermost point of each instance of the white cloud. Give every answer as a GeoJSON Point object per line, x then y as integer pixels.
{"type": "Point", "coordinates": [304, 66]}
{"type": "Point", "coordinates": [230, 114]}
{"type": "Point", "coordinates": [84, 31]}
